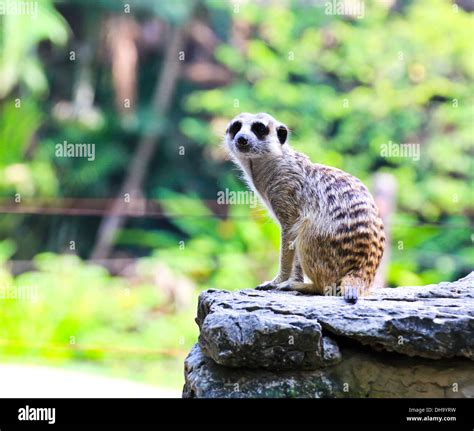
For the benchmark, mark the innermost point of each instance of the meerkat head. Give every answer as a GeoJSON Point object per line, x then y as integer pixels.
{"type": "Point", "coordinates": [255, 135]}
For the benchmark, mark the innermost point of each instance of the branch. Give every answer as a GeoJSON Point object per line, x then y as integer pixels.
{"type": "Point", "coordinates": [162, 97]}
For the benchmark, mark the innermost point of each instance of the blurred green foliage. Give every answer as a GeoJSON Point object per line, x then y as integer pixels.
{"type": "Point", "coordinates": [18, 38]}
{"type": "Point", "coordinates": [348, 87]}
{"type": "Point", "coordinates": [67, 310]}
{"type": "Point", "coordinates": [344, 86]}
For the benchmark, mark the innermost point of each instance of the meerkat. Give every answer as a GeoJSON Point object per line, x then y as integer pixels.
{"type": "Point", "coordinates": [331, 230]}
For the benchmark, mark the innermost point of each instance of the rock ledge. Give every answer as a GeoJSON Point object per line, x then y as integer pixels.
{"type": "Point", "coordinates": [288, 344]}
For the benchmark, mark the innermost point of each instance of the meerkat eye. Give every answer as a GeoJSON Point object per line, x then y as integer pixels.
{"type": "Point", "coordinates": [234, 128]}
{"type": "Point", "coordinates": [282, 133]}
{"type": "Point", "coordinates": [260, 130]}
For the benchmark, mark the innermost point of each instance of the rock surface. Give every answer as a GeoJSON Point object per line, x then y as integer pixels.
{"type": "Point", "coordinates": [409, 341]}
{"type": "Point", "coordinates": [281, 330]}
{"type": "Point", "coordinates": [361, 374]}
{"type": "Point", "coordinates": [257, 336]}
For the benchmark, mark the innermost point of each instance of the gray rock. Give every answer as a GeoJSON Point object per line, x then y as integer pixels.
{"type": "Point", "coordinates": [262, 338]}
{"type": "Point", "coordinates": [287, 330]}
{"type": "Point", "coordinates": [362, 373]}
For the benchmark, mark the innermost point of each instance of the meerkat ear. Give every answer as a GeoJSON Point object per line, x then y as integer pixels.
{"type": "Point", "coordinates": [282, 133]}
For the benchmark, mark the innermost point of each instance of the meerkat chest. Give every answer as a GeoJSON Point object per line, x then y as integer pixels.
{"type": "Point", "coordinates": [262, 195]}
{"type": "Point", "coordinates": [279, 189]}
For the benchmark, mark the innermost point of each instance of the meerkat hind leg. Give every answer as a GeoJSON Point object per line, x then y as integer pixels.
{"type": "Point", "coordinates": [297, 272]}
{"type": "Point", "coordinates": [297, 286]}
{"type": "Point", "coordinates": [266, 285]}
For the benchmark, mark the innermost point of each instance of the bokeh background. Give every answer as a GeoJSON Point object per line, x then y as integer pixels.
{"type": "Point", "coordinates": [101, 261]}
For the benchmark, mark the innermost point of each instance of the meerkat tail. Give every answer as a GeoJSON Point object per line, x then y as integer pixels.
{"type": "Point", "coordinates": [353, 287]}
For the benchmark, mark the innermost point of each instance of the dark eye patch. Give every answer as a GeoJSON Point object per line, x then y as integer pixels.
{"type": "Point", "coordinates": [234, 128]}
{"type": "Point", "coordinates": [282, 133]}
{"type": "Point", "coordinates": [260, 130]}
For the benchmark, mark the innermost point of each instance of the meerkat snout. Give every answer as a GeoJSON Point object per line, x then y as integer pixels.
{"type": "Point", "coordinates": [254, 135]}
{"type": "Point", "coordinates": [242, 143]}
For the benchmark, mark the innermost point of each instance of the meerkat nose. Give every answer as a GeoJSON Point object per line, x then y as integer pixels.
{"type": "Point", "coordinates": [243, 144]}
